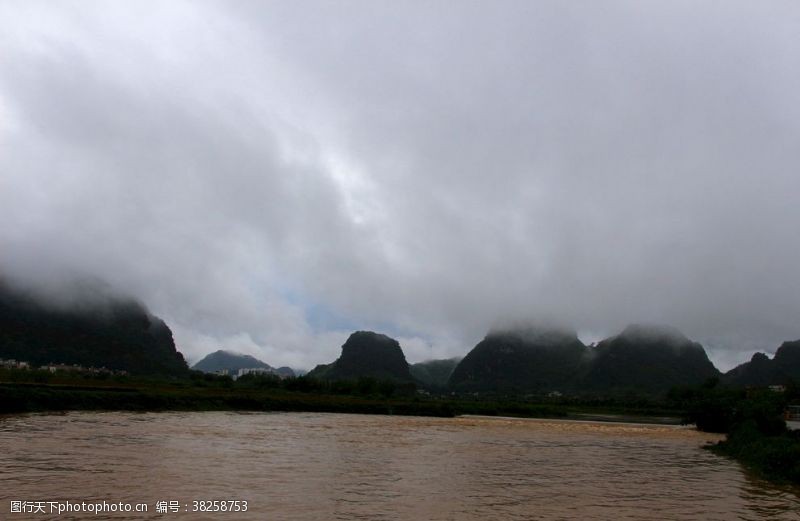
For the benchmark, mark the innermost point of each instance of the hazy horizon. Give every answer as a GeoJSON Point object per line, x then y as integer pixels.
{"type": "Point", "coordinates": [268, 177]}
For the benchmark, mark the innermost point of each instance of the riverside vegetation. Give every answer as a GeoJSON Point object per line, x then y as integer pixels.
{"type": "Point", "coordinates": [756, 433]}
{"type": "Point", "coordinates": [38, 390]}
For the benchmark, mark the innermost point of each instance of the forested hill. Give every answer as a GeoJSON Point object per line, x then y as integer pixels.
{"type": "Point", "coordinates": [367, 354]}
{"type": "Point", "coordinates": [647, 358]}
{"type": "Point", "coordinates": [526, 359]}
{"type": "Point", "coordinates": [112, 332]}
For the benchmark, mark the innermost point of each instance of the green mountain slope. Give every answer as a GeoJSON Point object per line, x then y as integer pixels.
{"type": "Point", "coordinates": [110, 332]}
{"type": "Point", "coordinates": [367, 354]}
{"type": "Point", "coordinates": [530, 359]}
{"type": "Point", "coordinates": [647, 359]}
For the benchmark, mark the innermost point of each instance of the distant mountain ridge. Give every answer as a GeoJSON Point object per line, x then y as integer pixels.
{"type": "Point", "coordinates": [232, 362]}
{"type": "Point", "coordinates": [89, 325]}
{"type": "Point", "coordinates": [648, 359]}
{"type": "Point", "coordinates": [222, 359]}
{"type": "Point", "coordinates": [761, 370]}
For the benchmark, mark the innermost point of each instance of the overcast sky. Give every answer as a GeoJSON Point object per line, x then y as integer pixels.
{"type": "Point", "coordinates": [270, 176]}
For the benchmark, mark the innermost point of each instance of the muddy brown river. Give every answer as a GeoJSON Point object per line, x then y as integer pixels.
{"type": "Point", "coordinates": [287, 466]}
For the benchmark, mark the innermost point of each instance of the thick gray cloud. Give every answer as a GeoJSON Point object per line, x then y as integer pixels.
{"type": "Point", "coordinates": [269, 176]}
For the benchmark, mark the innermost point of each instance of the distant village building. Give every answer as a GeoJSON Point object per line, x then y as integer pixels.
{"type": "Point", "coordinates": [254, 370]}
{"type": "Point", "coordinates": [63, 367]}
{"type": "Point", "coordinates": [76, 368]}
{"type": "Point", "coordinates": [14, 364]}
{"type": "Point", "coordinates": [53, 367]}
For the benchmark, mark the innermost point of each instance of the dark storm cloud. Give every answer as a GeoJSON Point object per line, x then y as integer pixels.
{"type": "Point", "coordinates": [428, 168]}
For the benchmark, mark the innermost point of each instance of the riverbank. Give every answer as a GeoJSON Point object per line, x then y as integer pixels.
{"type": "Point", "coordinates": [19, 398]}
{"type": "Point", "coordinates": [130, 395]}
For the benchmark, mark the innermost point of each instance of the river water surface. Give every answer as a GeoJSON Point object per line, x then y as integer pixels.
{"type": "Point", "coordinates": [330, 466]}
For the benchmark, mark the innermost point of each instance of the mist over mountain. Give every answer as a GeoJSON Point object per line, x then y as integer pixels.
{"type": "Point", "coordinates": [85, 321]}
{"type": "Point", "coordinates": [529, 359]}
{"type": "Point", "coordinates": [647, 358]}
{"type": "Point", "coordinates": [644, 359]}
{"type": "Point", "coordinates": [434, 373]}
{"type": "Point", "coordinates": [91, 328]}
{"type": "Point", "coordinates": [367, 354]}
